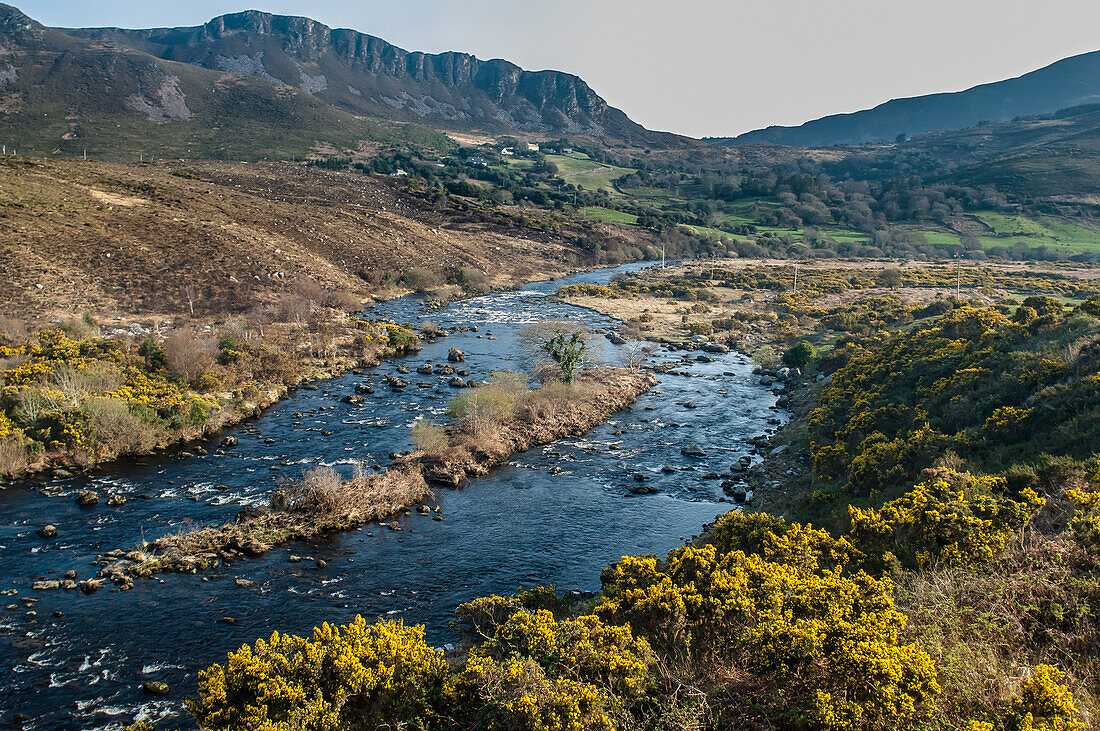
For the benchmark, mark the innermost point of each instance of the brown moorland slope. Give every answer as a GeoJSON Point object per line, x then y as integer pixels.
{"type": "Point", "coordinates": [144, 240]}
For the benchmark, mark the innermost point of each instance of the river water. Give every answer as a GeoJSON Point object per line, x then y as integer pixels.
{"type": "Point", "coordinates": [77, 662]}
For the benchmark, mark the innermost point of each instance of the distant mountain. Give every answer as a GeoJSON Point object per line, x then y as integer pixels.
{"type": "Point", "coordinates": [368, 76]}
{"type": "Point", "coordinates": [1067, 83]}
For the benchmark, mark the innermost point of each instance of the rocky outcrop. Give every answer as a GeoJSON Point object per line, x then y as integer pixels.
{"type": "Point", "coordinates": [366, 75]}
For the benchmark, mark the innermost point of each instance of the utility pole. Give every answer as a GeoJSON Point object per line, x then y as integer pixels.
{"type": "Point", "coordinates": [958, 276]}
{"type": "Point", "coordinates": [796, 279]}
{"type": "Point", "coordinates": [662, 254]}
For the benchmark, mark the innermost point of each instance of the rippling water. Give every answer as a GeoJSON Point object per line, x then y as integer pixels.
{"type": "Point", "coordinates": [78, 662]}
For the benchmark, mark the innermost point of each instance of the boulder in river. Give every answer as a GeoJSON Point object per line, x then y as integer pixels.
{"type": "Point", "coordinates": [691, 449]}
{"type": "Point", "coordinates": [46, 585]}
{"type": "Point", "coordinates": [48, 531]}
{"type": "Point", "coordinates": [427, 369]}
{"type": "Point", "coordinates": [455, 355]}
{"type": "Point", "coordinates": [154, 687]}
{"type": "Point", "coordinates": [354, 399]}
{"type": "Point", "coordinates": [87, 498]}
{"type": "Point", "coordinates": [230, 441]}
{"type": "Point", "coordinates": [456, 382]}
{"type": "Point", "coordinates": [364, 389]}
{"type": "Point", "coordinates": [641, 488]}
{"type": "Point", "coordinates": [714, 348]}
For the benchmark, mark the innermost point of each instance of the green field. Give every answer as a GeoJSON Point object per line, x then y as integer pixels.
{"type": "Point", "coordinates": [578, 169]}
{"type": "Point", "coordinates": [1040, 231]}
{"type": "Point", "coordinates": [607, 215]}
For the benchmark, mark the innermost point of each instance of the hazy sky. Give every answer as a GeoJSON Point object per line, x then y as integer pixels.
{"type": "Point", "coordinates": [697, 67]}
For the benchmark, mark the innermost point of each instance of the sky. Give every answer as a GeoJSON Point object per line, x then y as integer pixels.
{"type": "Point", "coordinates": [695, 67]}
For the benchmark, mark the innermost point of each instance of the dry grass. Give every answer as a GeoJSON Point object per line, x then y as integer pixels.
{"type": "Point", "coordinates": [237, 234]}
{"type": "Point", "coordinates": [506, 417]}
{"type": "Point", "coordinates": [322, 502]}
{"type": "Point", "coordinates": [118, 430]}
{"type": "Point", "coordinates": [428, 437]}
{"type": "Point", "coordinates": [13, 458]}
{"type": "Point", "coordinates": [1036, 603]}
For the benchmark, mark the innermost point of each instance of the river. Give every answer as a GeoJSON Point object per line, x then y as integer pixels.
{"type": "Point", "coordinates": [78, 662]}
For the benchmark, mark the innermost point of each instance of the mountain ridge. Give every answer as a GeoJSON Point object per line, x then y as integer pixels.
{"type": "Point", "coordinates": [1068, 82]}
{"type": "Point", "coordinates": [367, 75]}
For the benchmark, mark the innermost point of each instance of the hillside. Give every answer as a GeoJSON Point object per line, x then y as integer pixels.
{"type": "Point", "coordinates": [1053, 156]}
{"type": "Point", "coordinates": [1070, 82]}
{"type": "Point", "coordinates": [366, 75]}
{"type": "Point", "coordinates": [149, 241]}
{"type": "Point", "coordinates": [118, 103]}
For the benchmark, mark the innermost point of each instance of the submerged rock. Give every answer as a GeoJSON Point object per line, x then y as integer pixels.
{"type": "Point", "coordinates": [691, 449]}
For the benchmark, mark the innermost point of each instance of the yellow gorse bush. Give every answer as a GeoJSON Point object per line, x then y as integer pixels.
{"type": "Point", "coordinates": [951, 518]}
{"type": "Point", "coordinates": [356, 676]}
{"type": "Point", "coordinates": [826, 643]}
{"type": "Point", "coordinates": [1044, 703]}
{"type": "Point", "coordinates": [539, 673]}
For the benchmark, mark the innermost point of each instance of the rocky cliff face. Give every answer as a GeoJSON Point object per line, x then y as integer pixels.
{"type": "Point", "coordinates": [367, 75]}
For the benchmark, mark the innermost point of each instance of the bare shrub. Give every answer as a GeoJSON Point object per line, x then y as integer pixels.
{"type": "Point", "coordinates": [189, 355]}
{"type": "Point", "coordinates": [322, 490]}
{"type": "Point", "coordinates": [13, 457]}
{"type": "Point", "coordinates": [344, 300]}
{"type": "Point", "coordinates": [533, 338]}
{"type": "Point", "coordinates": [428, 436]}
{"type": "Point", "coordinates": [31, 403]}
{"type": "Point", "coordinates": [78, 384]}
{"type": "Point", "coordinates": [636, 351]}
{"type": "Point", "coordinates": [474, 281]}
{"type": "Point", "coordinates": [118, 430]}
{"type": "Point", "coordinates": [420, 279]}
{"type": "Point", "coordinates": [310, 290]}
{"type": "Point", "coordinates": [293, 307]}
{"type": "Point", "coordinates": [12, 329]}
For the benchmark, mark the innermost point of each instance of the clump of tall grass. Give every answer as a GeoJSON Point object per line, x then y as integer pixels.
{"type": "Point", "coordinates": [428, 436]}
{"type": "Point", "coordinates": [481, 409]}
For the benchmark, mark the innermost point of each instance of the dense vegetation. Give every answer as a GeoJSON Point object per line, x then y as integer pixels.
{"type": "Point", "coordinates": [956, 585]}
{"type": "Point", "coordinates": [898, 200]}
{"type": "Point", "coordinates": [71, 396]}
